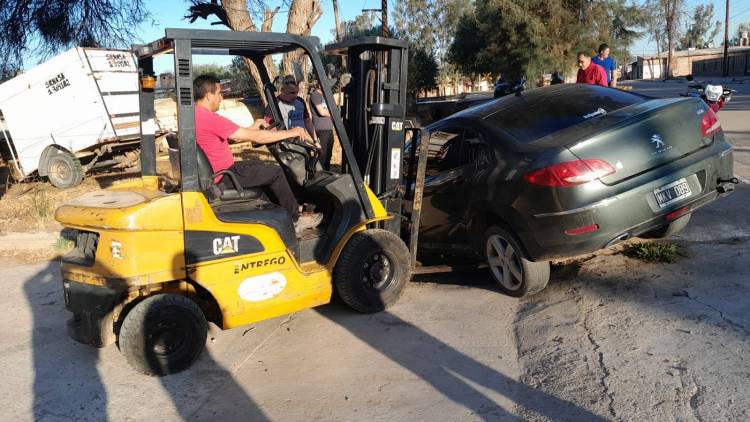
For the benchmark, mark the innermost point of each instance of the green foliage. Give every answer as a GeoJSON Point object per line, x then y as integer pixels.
{"type": "Point", "coordinates": [520, 37]}
{"type": "Point", "coordinates": [702, 30]}
{"type": "Point", "coordinates": [362, 25]}
{"type": "Point", "coordinates": [415, 22]}
{"type": "Point", "coordinates": [423, 71]}
{"type": "Point", "coordinates": [221, 72]}
{"type": "Point", "coordinates": [46, 27]}
{"type": "Point", "coordinates": [655, 252]}
{"type": "Point", "coordinates": [242, 82]}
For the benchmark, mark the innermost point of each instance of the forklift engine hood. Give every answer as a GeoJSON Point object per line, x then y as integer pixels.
{"type": "Point", "coordinates": [115, 209]}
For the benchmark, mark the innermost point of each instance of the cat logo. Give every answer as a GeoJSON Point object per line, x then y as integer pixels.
{"type": "Point", "coordinates": [225, 245]}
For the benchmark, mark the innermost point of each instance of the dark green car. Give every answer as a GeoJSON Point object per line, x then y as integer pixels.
{"type": "Point", "coordinates": [565, 170]}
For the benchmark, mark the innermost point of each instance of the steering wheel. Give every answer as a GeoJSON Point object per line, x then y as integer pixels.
{"type": "Point", "coordinates": [298, 141]}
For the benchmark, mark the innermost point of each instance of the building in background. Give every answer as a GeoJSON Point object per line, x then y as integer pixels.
{"type": "Point", "coordinates": [696, 62]}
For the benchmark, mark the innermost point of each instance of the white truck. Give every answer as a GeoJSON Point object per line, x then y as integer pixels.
{"type": "Point", "coordinates": [73, 113]}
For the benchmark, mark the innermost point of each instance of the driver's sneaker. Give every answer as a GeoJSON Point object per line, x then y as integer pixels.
{"type": "Point", "coordinates": [307, 220]}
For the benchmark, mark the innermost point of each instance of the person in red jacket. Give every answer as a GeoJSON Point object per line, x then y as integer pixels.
{"type": "Point", "coordinates": [590, 72]}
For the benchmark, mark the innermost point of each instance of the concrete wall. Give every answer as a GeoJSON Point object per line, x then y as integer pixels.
{"type": "Point", "coordinates": [739, 65]}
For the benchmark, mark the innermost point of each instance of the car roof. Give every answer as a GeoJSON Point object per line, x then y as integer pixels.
{"type": "Point", "coordinates": [516, 103]}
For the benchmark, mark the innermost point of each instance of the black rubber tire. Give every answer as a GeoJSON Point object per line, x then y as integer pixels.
{"type": "Point", "coordinates": [139, 334]}
{"type": "Point", "coordinates": [364, 254]}
{"type": "Point", "coordinates": [534, 275]}
{"type": "Point", "coordinates": [667, 229]}
{"type": "Point", "coordinates": [64, 171]}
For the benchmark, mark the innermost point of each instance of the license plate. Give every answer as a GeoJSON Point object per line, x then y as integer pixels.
{"type": "Point", "coordinates": [672, 192]}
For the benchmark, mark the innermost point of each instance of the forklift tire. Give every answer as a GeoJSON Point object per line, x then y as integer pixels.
{"type": "Point", "coordinates": [164, 334]}
{"type": "Point", "coordinates": [64, 170]}
{"type": "Point", "coordinates": [372, 271]}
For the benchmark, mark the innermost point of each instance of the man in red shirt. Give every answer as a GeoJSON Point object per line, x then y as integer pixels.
{"type": "Point", "coordinates": [589, 72]}
{"type": "Point", "coordinates": [213, 134]}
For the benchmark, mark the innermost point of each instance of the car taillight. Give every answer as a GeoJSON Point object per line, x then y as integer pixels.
{"type": "Point", "coordinates": [709, 123]}
{"type": "Point", "coordinates": [570, 173]}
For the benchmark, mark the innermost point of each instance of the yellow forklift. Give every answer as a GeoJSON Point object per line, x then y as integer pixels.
{"type": "Point", "coordinates": [152, 264]}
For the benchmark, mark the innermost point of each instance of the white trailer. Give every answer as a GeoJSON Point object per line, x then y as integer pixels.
{"type": "Point", "coordinates": [61, 117]}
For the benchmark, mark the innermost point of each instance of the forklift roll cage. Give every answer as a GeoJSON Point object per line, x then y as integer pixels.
{"type": "Point", "coordinates": [184, 43]}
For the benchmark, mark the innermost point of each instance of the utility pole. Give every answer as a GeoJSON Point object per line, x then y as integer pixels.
{"type": "Point", "coordinates": [383, 16]}
{"type": "Point", "coordinates": [384, 10]}
{"type": "Point", "coordinates": [725, 70]}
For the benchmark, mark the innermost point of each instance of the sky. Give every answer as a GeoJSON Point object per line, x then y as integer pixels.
{"type": "Point", "coordinates": [739, 11]}
{"type": "Point", "coordinates": [169, 14]}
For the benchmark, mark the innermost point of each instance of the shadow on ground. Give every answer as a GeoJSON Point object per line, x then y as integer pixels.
{"type": "Point", "coordinates": [72, 381]}
{"type": "Point", "coordinates": [457, 376]}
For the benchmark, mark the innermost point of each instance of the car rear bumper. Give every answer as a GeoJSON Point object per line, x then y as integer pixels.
{"type": "Point", "coordinates": [631, 211]}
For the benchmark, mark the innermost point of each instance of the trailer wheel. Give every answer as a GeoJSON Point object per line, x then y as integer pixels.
{"type": "Point", "coordinates": [163, 334]}
{"type": "Point", "coordinates": [64, 170]}
{"type": "Point", "coordinates": [372, 271]}
{"type": "Point", "coordinates": [514, 274]}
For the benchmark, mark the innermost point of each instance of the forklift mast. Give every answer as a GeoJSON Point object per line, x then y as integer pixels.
{"type": "Point", "coordinates": [374, 108]}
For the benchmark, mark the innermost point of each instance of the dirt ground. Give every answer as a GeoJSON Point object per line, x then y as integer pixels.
{"type": "Point", "coordinates": [611, 338]}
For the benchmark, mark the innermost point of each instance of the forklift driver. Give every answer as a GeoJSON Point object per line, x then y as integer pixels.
{"type": "Point", "coordinates": [213, 133]}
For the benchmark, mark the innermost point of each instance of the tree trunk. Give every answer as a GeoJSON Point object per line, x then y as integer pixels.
{"type": "Point", "coordinates": [339, 28]}
{"type": "Point", "coordinates": [303, 14]}
{"type": "Point", "coordinates": [240, 20]}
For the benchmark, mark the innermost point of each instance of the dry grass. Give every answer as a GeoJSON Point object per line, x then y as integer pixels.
{"type": "Point", "coordinates": [30, 205]}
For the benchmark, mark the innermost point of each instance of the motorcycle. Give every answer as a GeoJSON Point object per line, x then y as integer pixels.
{"type": "Point", "coordinates": [715, 96]}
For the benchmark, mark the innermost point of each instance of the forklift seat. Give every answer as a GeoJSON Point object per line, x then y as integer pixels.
{"type": "Point", "coordinates": [206, 177]}
{"type": "Point", "coordinates": [219, 191]}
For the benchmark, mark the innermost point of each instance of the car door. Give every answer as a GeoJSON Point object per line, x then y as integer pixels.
{"type": "Point", "coordinates": [443, 201]}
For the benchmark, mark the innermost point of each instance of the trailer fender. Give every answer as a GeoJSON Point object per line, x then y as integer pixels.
{"type": "Point", "coordinates": [46, 154]}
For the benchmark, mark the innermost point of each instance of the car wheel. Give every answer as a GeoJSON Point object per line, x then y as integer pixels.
{"type": "Point", "coordinates": [667, 229]}
{"type": "Point", "coordinates": [163, 334]}
{"type": "Point", "coordinates": [372, 271]}
{"type": "Point", "coordinates": [514, 274]}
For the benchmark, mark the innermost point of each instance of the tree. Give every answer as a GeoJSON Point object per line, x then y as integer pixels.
{"type": "Point", "coordinates": [238, 15]}
{"type": "Point", "coordinates": [213, 69]}
{"type": "Point", "coordinates": [422, 72]}
{"type": "Point", "coordinates": [670, 12]}
{"type": "Point", "coordinates": [46, 27]}
{"type": "Point", "coordinates": [702, 30]}
{"type": "Point", "coordinates": [242, 82]}
{"type": "Point", "coordinates": [467, 45]}
{"type": "Point", "coordinates": [414, 21]}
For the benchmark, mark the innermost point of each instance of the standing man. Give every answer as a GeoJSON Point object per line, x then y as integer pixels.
{"type": "Point", "coordinates": [321, 117]}
{"type": "Point", "coordinates": [293, 109]}
{"type": "Point", "coordinates": [590, 72]}
{"type": "Point", "coordinates": [608, 63]}
{"type": "Point", "coordinates": [213, 133]}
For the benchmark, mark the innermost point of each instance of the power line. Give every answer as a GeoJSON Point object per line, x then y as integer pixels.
{"type": "Point", "coordinates": [740, 13]}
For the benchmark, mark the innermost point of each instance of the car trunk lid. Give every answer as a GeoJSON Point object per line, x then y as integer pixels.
{"type": "Point", "coordinates": [641, 137]}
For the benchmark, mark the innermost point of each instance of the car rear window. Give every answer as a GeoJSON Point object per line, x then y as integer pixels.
{"type": "Point", "coordinates": [540, 112]}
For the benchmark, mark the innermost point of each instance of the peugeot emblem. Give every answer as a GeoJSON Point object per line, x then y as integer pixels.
{"type": "Point", "coordinates": [657, 140]}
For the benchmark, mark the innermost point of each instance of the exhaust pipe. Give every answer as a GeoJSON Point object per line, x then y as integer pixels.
{"type": "Point", "coordinates": [618, 239]}
{"type": "Point", "coordinates": [725, 186]}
